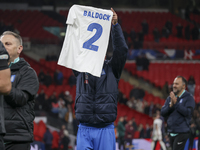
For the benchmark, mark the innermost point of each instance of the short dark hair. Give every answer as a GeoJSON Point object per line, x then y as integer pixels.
{"type": "Point", "coordinates": [183, 79]}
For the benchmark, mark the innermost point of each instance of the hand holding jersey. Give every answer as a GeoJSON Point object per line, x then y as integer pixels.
{"type": "Point", "coordinates": [114, 18]}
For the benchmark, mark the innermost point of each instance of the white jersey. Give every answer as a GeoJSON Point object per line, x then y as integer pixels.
{"type": "Point", "coordinates": [157, 134]}
{"type": "Point", "coordinates": [86, 39]}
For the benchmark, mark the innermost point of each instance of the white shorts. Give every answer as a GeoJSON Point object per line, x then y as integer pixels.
{"type": "Point", "coordinates": [157, 137]}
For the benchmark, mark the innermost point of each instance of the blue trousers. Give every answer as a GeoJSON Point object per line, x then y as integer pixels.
{"type": "Point", "coordinates": [92, 138]}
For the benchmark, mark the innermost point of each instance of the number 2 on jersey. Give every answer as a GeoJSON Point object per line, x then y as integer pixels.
{"type": "Point", "coordinates": [99, 30]}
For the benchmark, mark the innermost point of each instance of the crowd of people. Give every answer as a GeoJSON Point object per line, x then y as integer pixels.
{"type": "Point", "coordinates": [57, 106]}
{"type": "Point", "coordinates": [137, 38]}
{"type": "Point", "coordinates": [47, 79]}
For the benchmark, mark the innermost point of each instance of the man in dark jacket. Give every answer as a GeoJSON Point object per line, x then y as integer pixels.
{"type": "Point", "coordinates": [178, 108]}
{"type": "Point", "coordinates": [96, 98]}
{"type": "Point", "coordinates": [5, 87]}
{"type": "Point", "coordinates": [19, 103]}
{"type": "Point", "coordinates": [48, 137]}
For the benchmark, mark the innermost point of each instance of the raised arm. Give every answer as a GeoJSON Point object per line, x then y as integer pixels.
{"type": "Point", "coordinates": [119, 46]}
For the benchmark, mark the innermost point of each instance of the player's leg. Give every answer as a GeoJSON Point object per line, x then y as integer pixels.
{"type": "Point", "coordinates": [179, 141]}
{"type": "Point", "coordinates": [105, 138]}
{"type": "Point", "coordinates": [152, 144]}
{"type": "Point", "coordinates": [172, 138]}
{"type": "Point", "coordinates": [162, 144]}
{"type": "Point", "coordinates": [84, 141]}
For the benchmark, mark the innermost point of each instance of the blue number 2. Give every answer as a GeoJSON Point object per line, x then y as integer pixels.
{"type": "Point", "coordinates": [88, 44]}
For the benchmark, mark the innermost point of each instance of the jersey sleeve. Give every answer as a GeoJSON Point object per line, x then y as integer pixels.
{"type": "Point", "coordinates": [71, 16]}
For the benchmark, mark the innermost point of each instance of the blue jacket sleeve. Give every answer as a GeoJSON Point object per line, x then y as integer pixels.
{"type": "Point", "coordinates": [120, 50]}
{"type": "Point", "coordinates": [187, 109]}
{"type": "Point", "coordinates": [166, 110]}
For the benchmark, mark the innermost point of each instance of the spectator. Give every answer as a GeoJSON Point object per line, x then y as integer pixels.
{"type": "Point", "coordinates": [39, 100]}
{"type": "Point", "coordinates": [192, 135]}
{"type": "Point", "coordinates": [122, 98]}
{"type": "Point", "coordinates": [62, 110]}
{"type": "Point", "coordinates": [145, 62]}
{"type": "Point", "coordinates": [187, 32]}
{"type": "Point", "coordinates": [165, 32]}
{"type": "Point", "coordinates": [70, 118]}
{"type": "Point", "coordinates": [72, 80]}
{"type": "Point", "coordinates": [41, 76]}
{"type": "Point", "coordinates": [139, 63]}
{"type": "Point", "coordinates": [54, 104]}
{"type": "Point", "coordinates": [46, 104]}
{"type": "Point", "coordinates": [156, 34]}
{"type": "Point", "coordinates": [145, 27]}
{"type": "Point", "coordinates": [134, 124]}
{"type": "Point", "coordinates": [131, 103]}
{"type": "Point", "coordinates": [146, 108]}
{"type": "Point", "coordinates": [129, 132]}
{"type": "Point", "coordinates": [61, 133]}
{"type": "Point", "coordinates": [48, 137]}
{"type": "Point", "coordinates": [121, 132]}
{"type": "Point", "coordinates": [139, 105]}
{"type": "Point", "coordinates": [58, 77]}
{"type": "Point", "coordinates": [151, 107]}
{"type": "Point", "coordinates": [48, 79]}
{"type": "Point", "coordinates": [66, 96]}
{"type": "Point", "coordinates": [137, 44]}
{"type": "Point", "coordinates": [141, 130]}
{"type": "Point", "coordinates": [65, 140]}
{"type": "Point", "coordinates": [125, 120]}
{"type": "Point", "coordinates": [133, 35]}
{"type": "Point", "coordinates": [147, 131]}
{"type": "Point", "coordinates": [179, 29]}
{"type": "Point", "coordinates": [191, 85]}
{"type": "Point", "coordinates": [53, 98]}
{"type": "Point", "coordinates": [169, 26]}
{"type": "Point", "coordinates": [195, 33]}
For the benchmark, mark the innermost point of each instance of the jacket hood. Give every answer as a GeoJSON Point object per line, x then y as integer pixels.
{"type": "Point", "coordinates": [19, 64]}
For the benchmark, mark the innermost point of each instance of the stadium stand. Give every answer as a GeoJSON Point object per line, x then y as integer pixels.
{"type": "Point", "coordinates": [31, 23]}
